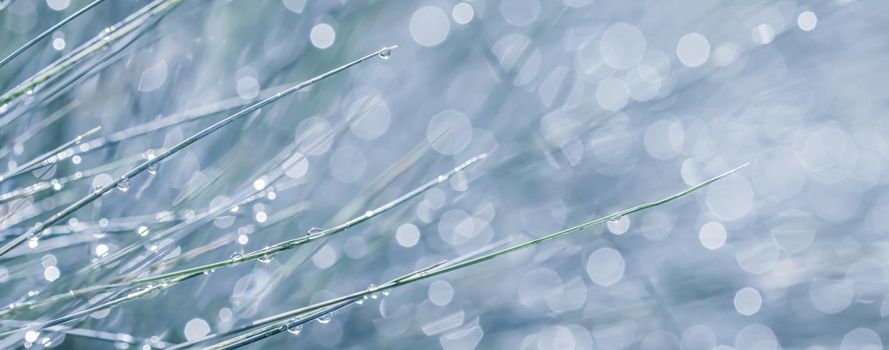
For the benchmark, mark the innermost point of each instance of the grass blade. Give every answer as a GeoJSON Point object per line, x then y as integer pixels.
{"type": "Point", "coordinates": [47, 32]}
{"type": "Point", "coordinates": [460, 263]}
{"type": "Point", "coordinates": [172, 150]}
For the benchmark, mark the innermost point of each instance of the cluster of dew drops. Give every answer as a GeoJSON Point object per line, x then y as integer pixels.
{"type": "Point", "coordinates": [124, 184]}
{"type": "Point", "coordinates": [296, 328]}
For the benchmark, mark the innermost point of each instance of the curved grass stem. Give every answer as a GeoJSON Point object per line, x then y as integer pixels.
{"type": "Point", "coordinates": [438, 269]}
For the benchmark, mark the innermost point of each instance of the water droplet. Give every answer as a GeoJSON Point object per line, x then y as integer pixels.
{"type": "Point", "coordinates": [124, 185]}
{"type": "Point", "coordinates": [33, 293]}
{"type": "Point", "coordinates": [265, 258]}
{"type": "Point", "coordinates": [616, 218]}
{"type": "Point", "coordinates": [296, 329]}
{"type": "Point", "coordinates": [369, 213]}
{"type": "Point", "coordinates": [236, 256]}
{"type": "Point", "coordinates": [234, 209]}
{"type": "Point", "coordinates": [385, 54]}
{"type": "Point", "coordinates": [29, 92]}
{"type": "Point", "coordinates": [360, 301]}
{"type": "Point", "coordinates": [325, 318]}
{"type": "Point", "coordinates": [373, 288]}
{"type": "Point", "coordinates": [152, 169]}
{"type": "Point", "coordinates": [142, 231]}
{"type": "Point", "coordinates": [386, 293]}
{"type": "Point", "coordinates": [56, 185]}
{"type": "Point", "coordinates": [313, 231]}
{"type": "Point", "coordinates": [442, 178]}
{"type": "Point", "coordinates": [207, 272]}
{"type": "Point", "coordinates": [31, 336]}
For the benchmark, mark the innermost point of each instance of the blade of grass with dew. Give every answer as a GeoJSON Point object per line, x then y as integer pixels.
{"type": "Point", "coordinates": [250, 193]}
{"type": "Point", "coordinates": [116, 337]}
{"type": "Point", "coordinates": [276, 174]}
{"type": "Point", "coordinates": [175, 119]}
{"type": "Point", "coordinates": [242, 197]}
{"type": "Point", "coordinates": [348, 210]}
{"type": "Point", "coordinates": [47, 32]}
{"type": "Point", "coordinates": [50, 157]}
{"type": "Point", "coordinates": [247, 194]}
{"type": "Point", "coordinates": [292, 243]}
{"type": "Point", "coordinates": [261, 253]}
{"type": "Point", "coordinates": [461, 264]}
{"type": "Point", "coordinates": [289, 323]}
{"type": "Point", "coordinates": [58, 184]}
{"type": "Point", "coordinates": [185, 143]}
{"type": "Point", "coordinates": [110, 35]}
{"type": "Point", "coordinates": [55, 90]}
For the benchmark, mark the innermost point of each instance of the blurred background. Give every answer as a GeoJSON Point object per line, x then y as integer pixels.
{"type": "Point", "coordinates": [584, 106]}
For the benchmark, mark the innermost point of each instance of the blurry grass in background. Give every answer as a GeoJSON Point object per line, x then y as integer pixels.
{"type": "Point", "coordinates": [581, 107]}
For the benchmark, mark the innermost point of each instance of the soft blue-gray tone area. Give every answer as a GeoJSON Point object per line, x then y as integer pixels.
{"type": "Point", "coordinates": [582, 107]}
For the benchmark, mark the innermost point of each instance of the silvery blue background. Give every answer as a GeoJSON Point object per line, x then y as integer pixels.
{"type": "Point", "coordinates": [585, 107]}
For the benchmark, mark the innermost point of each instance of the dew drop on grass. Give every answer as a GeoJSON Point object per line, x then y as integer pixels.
{"type": "Point", "coordinates": [152, 169]}
{"type": "Point", "coordinates": [616, 218]}
{"type": "Point", "coordinates": [296, 329]}
{"type": "Point", "coordinates": [56, 185]}
{"type": "Point", "coordinates": [236, 256]}
{"type": "Point", "coordinates": [385, 54]}
{"type": "Point", "coordinates": [313, 231]}
{"type": "Point", "coordinates": [265, 259]}
{"type": "Point", "coordinates": [325, 318]}
{"type": "Point", "coordinates": [142, 231]}
{"type": "Point", "coordinates": [124, 185]}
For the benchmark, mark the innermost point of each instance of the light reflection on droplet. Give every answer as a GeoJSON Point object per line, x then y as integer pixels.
{"type": "Point", "coordinates": [463, 13]}
{"type": "Point", "coordinates": [807, 21]}
{"type": "Point", "coordinates": [429, 26]}
{"type": "Point", "coordinates": [407, 235]}
{"type": "Point", "coordinates": [322, 35]}
{"type": "Point", "coordinates": [747, 301]}
{"type": "Point", "coordinates": [196, 328]}
{"type": "Point", "coordinates": [693, 49]}
{"type": "Point", "coordinates": [440, 292]}
{"type": "Point", "coordinates": [51, 273]}
{"type": "Point", "coordinates": [861, 339]}
{"type": "Point", "coordinates": [605, 266]}
{"type": "Point", "coordinates": [712, 235]}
